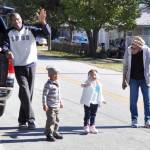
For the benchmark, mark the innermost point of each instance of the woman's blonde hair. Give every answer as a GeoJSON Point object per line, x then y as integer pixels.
{"type": "Point", "coordinates": [138, 41]}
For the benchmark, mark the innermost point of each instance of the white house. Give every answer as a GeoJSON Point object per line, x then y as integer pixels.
{"type": "Point", "coordinates": [103, 37]}
{"type": "Point", "coordinates": [143, 26]}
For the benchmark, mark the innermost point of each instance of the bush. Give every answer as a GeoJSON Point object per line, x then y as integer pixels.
{"type": "Point", "coordinates": [71, 48]}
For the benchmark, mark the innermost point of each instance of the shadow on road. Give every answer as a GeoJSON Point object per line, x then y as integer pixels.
{"type": "Point", "coordinates": [79, 129]}
{"type": "Point", "coordinates": [113, 127]}
{"type": "Point", "coordinates": [19, 136]}
{"type": "Point", "coordinates": [71, 130]}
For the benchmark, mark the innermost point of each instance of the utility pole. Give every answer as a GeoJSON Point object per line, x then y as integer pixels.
{"type": "Point", "coordinates": [49, 43]}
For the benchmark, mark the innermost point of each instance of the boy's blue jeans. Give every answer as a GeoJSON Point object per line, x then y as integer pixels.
{"type": "Point", "coordinates": [134, 93]}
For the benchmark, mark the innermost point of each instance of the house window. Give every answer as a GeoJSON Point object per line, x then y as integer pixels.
{"type": "Point", "coordinates": [146, 31]}
{"type": "Point", "coordinates": [138, 31]}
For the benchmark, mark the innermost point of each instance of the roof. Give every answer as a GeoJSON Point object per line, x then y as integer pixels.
{"type": "Point", "coordinates": [144, 19]}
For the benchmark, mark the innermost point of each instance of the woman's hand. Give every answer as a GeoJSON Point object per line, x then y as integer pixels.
{"type": "Point", "coordinates": [124, 84]}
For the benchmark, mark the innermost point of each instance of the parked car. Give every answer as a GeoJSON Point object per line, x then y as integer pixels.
{"type": "Point", "coordinates": [78, 39]}
{"type": "Point", "coordinates": [6, 64]}
{"type": "Point", "coordinates": [60, 39]}
{"type": "Point", "coordinates": [41, 41]}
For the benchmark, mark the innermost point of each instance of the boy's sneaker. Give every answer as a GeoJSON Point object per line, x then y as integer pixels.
{"type": "Point", "coordinates": [57, 135]}
{"type": "Point", "coordinates": [31, 126]}
{"type": "Point", "coordinates": [93, 129]}
{"type": "Point", "coordinates": [147, 124]}
{"type": "Point", "coordinates": [22, 126]}
{"type": "Point", "coordinates": [50, 138]}
{"type": "Point", "coordinates": [134, 124]}
{"type": "Point", "coordinates": [86, 129]}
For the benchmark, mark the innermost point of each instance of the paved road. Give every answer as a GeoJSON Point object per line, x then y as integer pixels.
{"type": "Point", "coordinates": [113, 119]}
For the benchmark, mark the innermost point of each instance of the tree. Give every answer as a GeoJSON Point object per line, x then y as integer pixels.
{"type": "Point", "coordinates": [92, 15]}
{"type": "Point", "coordinates": [27, 8]}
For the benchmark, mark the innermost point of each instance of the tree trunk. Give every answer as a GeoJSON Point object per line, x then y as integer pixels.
{"type": "Point", "coordinates": [71, 27]}
{"type": "Point", "coordinates": [93, 38]}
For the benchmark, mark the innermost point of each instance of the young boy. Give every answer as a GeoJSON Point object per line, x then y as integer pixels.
{"type": "Point", "coordinates": [51, 104]}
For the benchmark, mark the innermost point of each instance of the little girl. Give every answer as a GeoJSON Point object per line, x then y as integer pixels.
{"type": "Point", "coordinates": [91, 98]}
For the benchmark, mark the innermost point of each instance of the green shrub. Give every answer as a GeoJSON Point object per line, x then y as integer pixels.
{"type": "Point", "coordinates": [71, 48]}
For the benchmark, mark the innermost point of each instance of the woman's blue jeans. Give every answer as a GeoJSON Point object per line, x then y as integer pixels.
{"type": "Point", "coordinates": [134, 93]}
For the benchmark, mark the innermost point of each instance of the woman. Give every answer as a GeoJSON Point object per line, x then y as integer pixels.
{"type": "Point", "coordinates": [136, 72]}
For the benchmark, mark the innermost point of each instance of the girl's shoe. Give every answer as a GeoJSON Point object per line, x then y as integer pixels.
{"type": "Point", "coordinates": [93, 129]}
{"type": "Point", "coordinates": [86, 129]}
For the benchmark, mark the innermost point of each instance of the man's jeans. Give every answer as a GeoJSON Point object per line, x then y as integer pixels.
{"type": "Point", "coordinates": [134, 93]}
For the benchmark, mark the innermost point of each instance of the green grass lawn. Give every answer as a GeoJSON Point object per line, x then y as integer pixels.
{"type": "Point", "coordinates": [113, 64]}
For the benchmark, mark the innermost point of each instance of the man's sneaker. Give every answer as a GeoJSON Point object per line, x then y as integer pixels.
{"type": "Point", "coordinates": [50, 138]}
{"type": "Point", "coordinates": [147, 124]}
{"type": "Point", "coordinates": [31, 126]}
{"type": "Point", "coordinates": [57, 135]}
{"type": "Point", "coordinates": [93, 129]}
{"type": "Point", "coordinates": [134, 124]}
{"type": "Point", "coordinates": [86, 129]}
{"type": "Point", "coordinates": [22, 126]}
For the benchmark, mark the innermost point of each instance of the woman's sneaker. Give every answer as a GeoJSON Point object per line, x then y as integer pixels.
{"type": "Point", "coordinates": [86, 129]}
{"type": "Point", "coordinates": [135, 124]}
{"type": "Point", "coordinates": [93, 129]}
{"type": "Point", "coordinates": [147, 124]}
